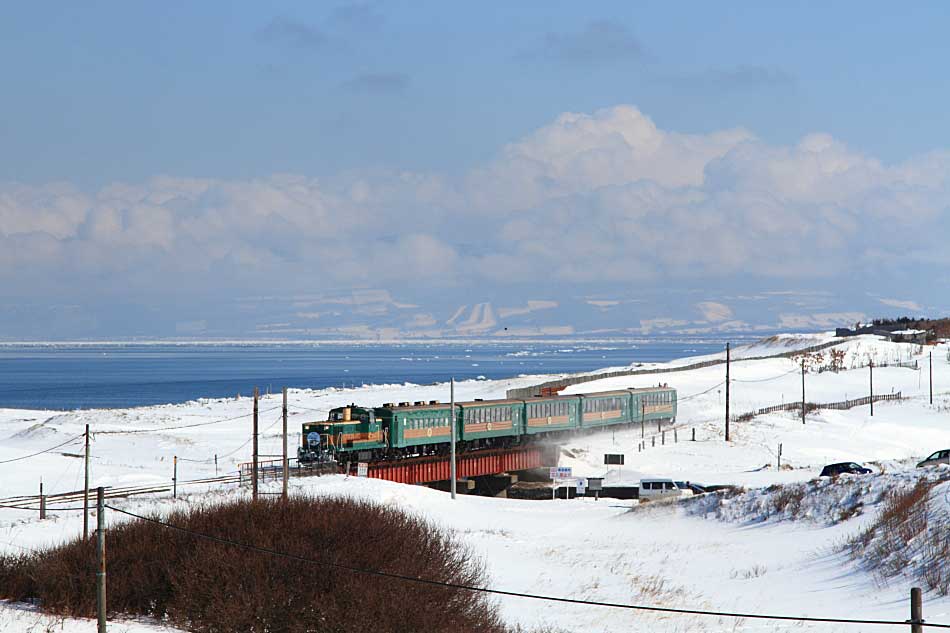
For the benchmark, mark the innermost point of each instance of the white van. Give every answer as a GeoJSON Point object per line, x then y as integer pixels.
{"type": "Point", "coordinates": [653, 489]}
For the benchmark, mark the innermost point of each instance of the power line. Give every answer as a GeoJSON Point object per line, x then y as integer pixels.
{"type": "Point", "coordinates": [251, 438]}
{"type": "Point", "coordinates": [701, 393]}
{"type": "Point", "coordinates": [45, 450]}
{"type": "Point", "coordinates": [36, 508]}
{"type": "Point", "coordinates": [788, 373]}
{"type": "Point", "coordinates": [181, 426]}
{"type": "Point", "coordinates": [515, 594]}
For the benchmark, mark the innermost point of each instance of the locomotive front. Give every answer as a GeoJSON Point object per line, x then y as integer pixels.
{"type": "Point", "coordinates": [349, 434]}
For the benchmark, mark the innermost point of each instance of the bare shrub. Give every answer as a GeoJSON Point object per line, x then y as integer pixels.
{"type": "Point", "coordinates": [901, 541]}
{"type": "Point", "coordinates": [788, 500]}
{"type": "Point", "coordinates": [210, 587]}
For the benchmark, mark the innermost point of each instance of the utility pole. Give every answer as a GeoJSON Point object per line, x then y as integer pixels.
{"type": "Point", "coordinates": [916, 611]}
{"type": "Point", "coordinates": [643, 415]}
{"type": "Point", "coordinates": [101, 552]}
{"type": "Point", "coordinates": [931, 378]}
{"type": "Point", "coordinates": [85, 494]}
{"type": "Point", "coordinates": [175, 477]}
{"type": "Point", "coordinates": [42, 501]}
{"type": "Point", "coordinates": [803, 389]}
{"type": "Point", "coordinates": [871, 377]}
{"type": "Point", "coordinates": [452, 424]}
{"type": "Point", "coordinates": [285, 465]}
{"type": "Point", "coordinates": [254, 457]}
{"type": "Point", "coordinates": [727, 392]}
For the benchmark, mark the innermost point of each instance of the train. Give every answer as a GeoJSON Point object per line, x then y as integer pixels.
{"type": "Point", "coordinates": [410, 429]}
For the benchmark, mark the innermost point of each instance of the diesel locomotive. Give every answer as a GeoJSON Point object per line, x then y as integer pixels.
{"type": "Point", "coordinates": [409, 429]}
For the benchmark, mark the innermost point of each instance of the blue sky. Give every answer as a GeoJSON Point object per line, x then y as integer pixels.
{"type": "Point", "coordinates": [164, 165]}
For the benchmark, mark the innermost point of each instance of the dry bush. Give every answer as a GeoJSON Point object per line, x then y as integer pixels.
{"type": "Point", "coordinates": [899, 542]}
{"type": "Point", "coordinates": [210, 587]}
{"type": "Point", "coordinates": [788, 499]}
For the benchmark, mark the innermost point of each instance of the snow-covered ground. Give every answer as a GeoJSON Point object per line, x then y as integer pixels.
{"type": "Point", "coordinates": [596, 550]}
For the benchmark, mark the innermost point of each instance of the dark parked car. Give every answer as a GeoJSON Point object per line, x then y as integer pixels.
{"type": "Point", "coordinates": [940, 457]}
{"type": "Point", "coordinates": [852, 468]}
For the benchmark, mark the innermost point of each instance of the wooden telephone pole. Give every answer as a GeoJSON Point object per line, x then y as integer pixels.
{"type": "Point", "coordinates": [85, 494]}
{"type": "Point", "coordinates": [284, 464]}
{"type": "Point", "coordinates": [803, 389]}
{"type": "Point", "coordinates": [254, 457]}
{"type": "Point", "coordinates": [871, 378]}
{"type": "Point", "coordinates": [452, 422]}
{"type": "Point", "coordinates": [101, 552]}
{"type": "Point", "coordinates": [727, 392]}
{"type": "Point", "coordinates": [931, 378]}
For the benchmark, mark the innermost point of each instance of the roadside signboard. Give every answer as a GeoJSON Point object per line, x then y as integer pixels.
{"type": "Point", "coordinates": [362, 469]}
{"type": "Point", "coordinates": [615, 459]}
{"type": "Point", "coordinates": [558, 475]}
{"type": "Point", "coordinates": [581, 486]}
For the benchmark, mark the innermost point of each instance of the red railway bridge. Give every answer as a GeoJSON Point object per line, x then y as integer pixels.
{"type": "Point", "coordinates": [423, 470]}
{"type": "Point", "coordinates": [419, 470]}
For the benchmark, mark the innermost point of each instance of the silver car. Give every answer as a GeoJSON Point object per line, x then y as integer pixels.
{"type": "Point", "coordinates": [940, 457]}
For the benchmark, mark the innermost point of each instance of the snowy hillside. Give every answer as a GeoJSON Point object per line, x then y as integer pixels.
{"type": "Point", "coordinates": [707, 553]}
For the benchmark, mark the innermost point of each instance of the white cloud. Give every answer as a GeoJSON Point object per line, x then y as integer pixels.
{"type": "Point", "coordinates": [533, 306]}
{"type": "Point", "coordinates": [713, 311]}
{"type": "Point", "coordinates": [903, 304]}
{"type": "Point", "coordinates": [606, 198]}
{"type": "Point", "coordinates": [663, 323]}
{"type": "Point", "coordinates": [480, 320]}
{"type": "Point", "coordinates": [603, 303]}
{"type": "Point", "coordinates": [421, 320]}
{"type": "Point", "coordinates": [821, 320]}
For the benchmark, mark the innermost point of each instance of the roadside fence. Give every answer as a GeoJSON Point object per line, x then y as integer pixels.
{"type": "Point", "coordinates": [815, 406]}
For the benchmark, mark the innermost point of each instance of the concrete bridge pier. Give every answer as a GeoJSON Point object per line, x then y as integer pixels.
{"type": "Point", "coordinates": [465, 486]}
{"type": "Point", "coordinates": [495, 485]}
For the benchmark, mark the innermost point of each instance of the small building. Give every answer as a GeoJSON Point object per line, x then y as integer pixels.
{"type": "Point", "coordinates": [909, 336]}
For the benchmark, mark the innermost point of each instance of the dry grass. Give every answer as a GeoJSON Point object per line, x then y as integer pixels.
{"type": "Point", "coordinates": [902, 541]}
{"type": "Point", "coordinates": [788, 499]}
{"type": "Point", "coordinates": [209, 587]}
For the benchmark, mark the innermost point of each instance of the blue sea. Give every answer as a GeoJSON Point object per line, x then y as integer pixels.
{"type": "Point", "coordinates": [66, 377]}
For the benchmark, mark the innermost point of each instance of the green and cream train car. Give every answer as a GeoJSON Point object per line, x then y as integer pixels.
{"type": "Point", "coordinates": [356, 433]}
